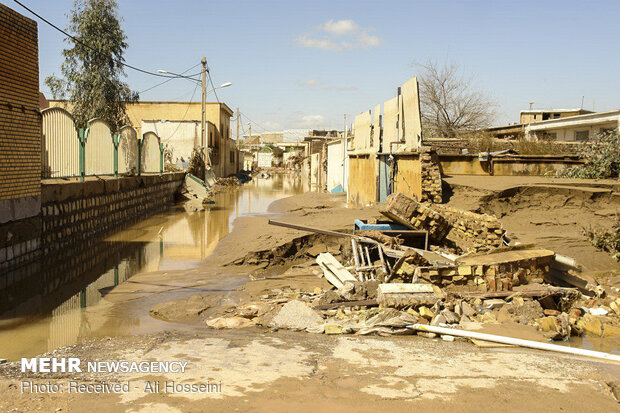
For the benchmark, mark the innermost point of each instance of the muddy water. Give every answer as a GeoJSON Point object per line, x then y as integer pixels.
{"type": "Point", "coordinates": [144, 256]}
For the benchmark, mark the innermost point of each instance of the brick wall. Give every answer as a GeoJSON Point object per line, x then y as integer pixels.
{"type": "Point", "coordinates": [20, 121]}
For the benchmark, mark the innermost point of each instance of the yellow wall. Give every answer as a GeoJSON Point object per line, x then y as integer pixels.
{"type": "Point", "coordinates": [363, 170]}
{"type": "Point", "coordinates": [408, 178]}
{"type": "Point", "coordinates": [462, 165]}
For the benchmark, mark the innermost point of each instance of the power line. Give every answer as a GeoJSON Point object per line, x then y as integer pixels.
{"type": "Point", "coordinates": [211, 81]}
{"type": "Point", "coordinates": [119, 61]}
{"type": "Point", "coordinates": [186, 111]}
{"type": "Point", "coordinates": [168, 80]}
{"type": "Point", "coordinates": [256, 123]}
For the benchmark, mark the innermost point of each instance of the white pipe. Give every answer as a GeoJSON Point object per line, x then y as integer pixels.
{"type": "Point", "coordinates": [571, 262]}
{"type": "Point", "coordinates": [515, 341]}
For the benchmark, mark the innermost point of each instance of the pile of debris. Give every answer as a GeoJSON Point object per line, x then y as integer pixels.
{"type": "Point", "coordinates": [196, 194]}
{"type": "Point", "coordinates": [385, 285]}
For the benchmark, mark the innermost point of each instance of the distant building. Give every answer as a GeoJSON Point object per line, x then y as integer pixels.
{"type": "Point", "coordinates": [579, 128]}
{"type": "Point", "coordinates": [566, 125]}
{"type": "Point", "coordinates": [538, 115]}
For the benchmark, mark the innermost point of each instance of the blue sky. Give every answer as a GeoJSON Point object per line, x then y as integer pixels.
{"type": "Point", "coordinates": [306, 63]}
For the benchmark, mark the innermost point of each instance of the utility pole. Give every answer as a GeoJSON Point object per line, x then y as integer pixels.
{"type": "Point", "coordinates": [203, 132]}
{"type": "Point", "coordinates": [239, 159]}
{"type": "Point", "coordinates": [255, 153]}
{"type": "Point", "coordinates": [238, 141]}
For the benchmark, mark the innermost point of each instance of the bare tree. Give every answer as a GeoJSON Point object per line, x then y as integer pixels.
{"type": "Point", "coordinates": [450, 106]}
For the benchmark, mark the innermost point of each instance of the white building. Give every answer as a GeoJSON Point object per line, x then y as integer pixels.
{"type": "Point", "coordinates": [578, 128]}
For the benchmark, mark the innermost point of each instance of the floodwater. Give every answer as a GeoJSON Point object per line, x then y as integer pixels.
{"type": "Point", "coordinates": [163, 244]}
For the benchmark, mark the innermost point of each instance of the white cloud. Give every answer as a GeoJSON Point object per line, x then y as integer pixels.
{"type": "Point", "coordinates": [311, 121]}
{"type": "Point", "coordinates": [313, 43]}
{"type": "Point", "coordinates": [367, 40]}
{"type": "Point", "coordinates": [339, 27]}
{"type": "Point", "coordinates": [337, 35]}
{"type": "Point", "coordinates": [309, 83]}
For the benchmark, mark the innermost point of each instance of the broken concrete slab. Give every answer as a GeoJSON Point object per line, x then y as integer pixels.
{"type": "Point", "coordinates": [229, 322]}
{"type": "Point", "coordinates": [333, 270]}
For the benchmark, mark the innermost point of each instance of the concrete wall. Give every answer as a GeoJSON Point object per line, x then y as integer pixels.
{"type": "Point", "coordinates": [179, 136]}
{"type": "Point", "coordinates": [264, 159]}
{"type": "Point", "coordinates": [20, 120]}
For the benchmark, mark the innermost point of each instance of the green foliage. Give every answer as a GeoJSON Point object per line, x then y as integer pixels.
{"type": "Point", "coordinates": [92, 70]}
{"type": "Point", "coordinates": [602, 157]}
{"type": "Point", "coordinates": [540, 147]}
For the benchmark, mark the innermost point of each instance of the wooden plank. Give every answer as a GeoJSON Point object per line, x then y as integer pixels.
{"type": "Point", "coordinates": [330, 276]}
{"type": "Point", "coordinates": [500, 294]}
{"type": "Point", "coordinates": [336, 267]}
{"type": "Point", "coordinates": [310, 229]}
{"type": "Point", "coordinates": [366, 303]}
{"type": "Point", "coordinates": [405, 288]}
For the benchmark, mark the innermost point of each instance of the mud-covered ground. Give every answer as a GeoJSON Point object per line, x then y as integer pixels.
{"type": "Point", "coordinates": [264, 370]}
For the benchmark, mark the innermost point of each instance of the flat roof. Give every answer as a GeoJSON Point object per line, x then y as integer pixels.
{"type": "Point", "coordinates": [554, 110]}
{"type": "Point", "coordinates": [608, 116]}
{"type": "Point", "coordinates": [163, 102]}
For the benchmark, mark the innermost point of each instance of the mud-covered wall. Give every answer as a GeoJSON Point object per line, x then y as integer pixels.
{"type": "Point", "coordinates": [533, 167]}
{"type": "Point", "coordinates": [73, 212]}
{"type": "Point", "coordinates": [363, 172]}
{"type": "Point", "coordinates": [463, 165]}
{"type": "Point", "coordinates": [506, 165]}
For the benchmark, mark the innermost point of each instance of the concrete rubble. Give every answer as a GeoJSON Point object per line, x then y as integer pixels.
{"type": "Point", "coordinates": [467, 279]}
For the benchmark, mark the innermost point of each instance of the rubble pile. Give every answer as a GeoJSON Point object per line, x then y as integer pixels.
{"type": "Point", "coordinates": [381, 287]}
{"type": "Point", "coordinates": [431, 179]}
{"type": "Point", "coordinates": [472, 231]}
{"type": "Point", "coordinates": [414, 215]}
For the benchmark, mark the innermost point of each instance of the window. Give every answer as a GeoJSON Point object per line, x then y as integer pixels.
{"type": "Point", "coordinates": [210, 138]}
{"type": "Point", "coordinates": [582, 135]}
{"type": "Point", "coordinates": [556, 116]}
{"type": "Point", "coordinates": [232, 156]}
{"type": "Point", "coordinates": [535, 115]}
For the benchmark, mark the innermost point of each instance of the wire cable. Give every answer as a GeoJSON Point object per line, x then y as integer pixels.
{"type": "Point", "coordinates": [256, 123]}
{"type": "Point", "coordinates": [168, 80]}
{"type": "Point", "coordinates": [76, 40]}
{"type": "Point", "coordinates": [189, 104]}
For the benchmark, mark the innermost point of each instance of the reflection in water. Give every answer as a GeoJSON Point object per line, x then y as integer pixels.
{"type": "Point", "coordinates": [64, 302]}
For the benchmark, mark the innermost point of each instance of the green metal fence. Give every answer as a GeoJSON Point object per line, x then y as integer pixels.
{"type": "Point", "coordinates": [97, 150]}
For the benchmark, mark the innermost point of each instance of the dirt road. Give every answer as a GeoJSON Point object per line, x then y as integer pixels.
{"type": "Point", "coordinates": [262, 370]}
